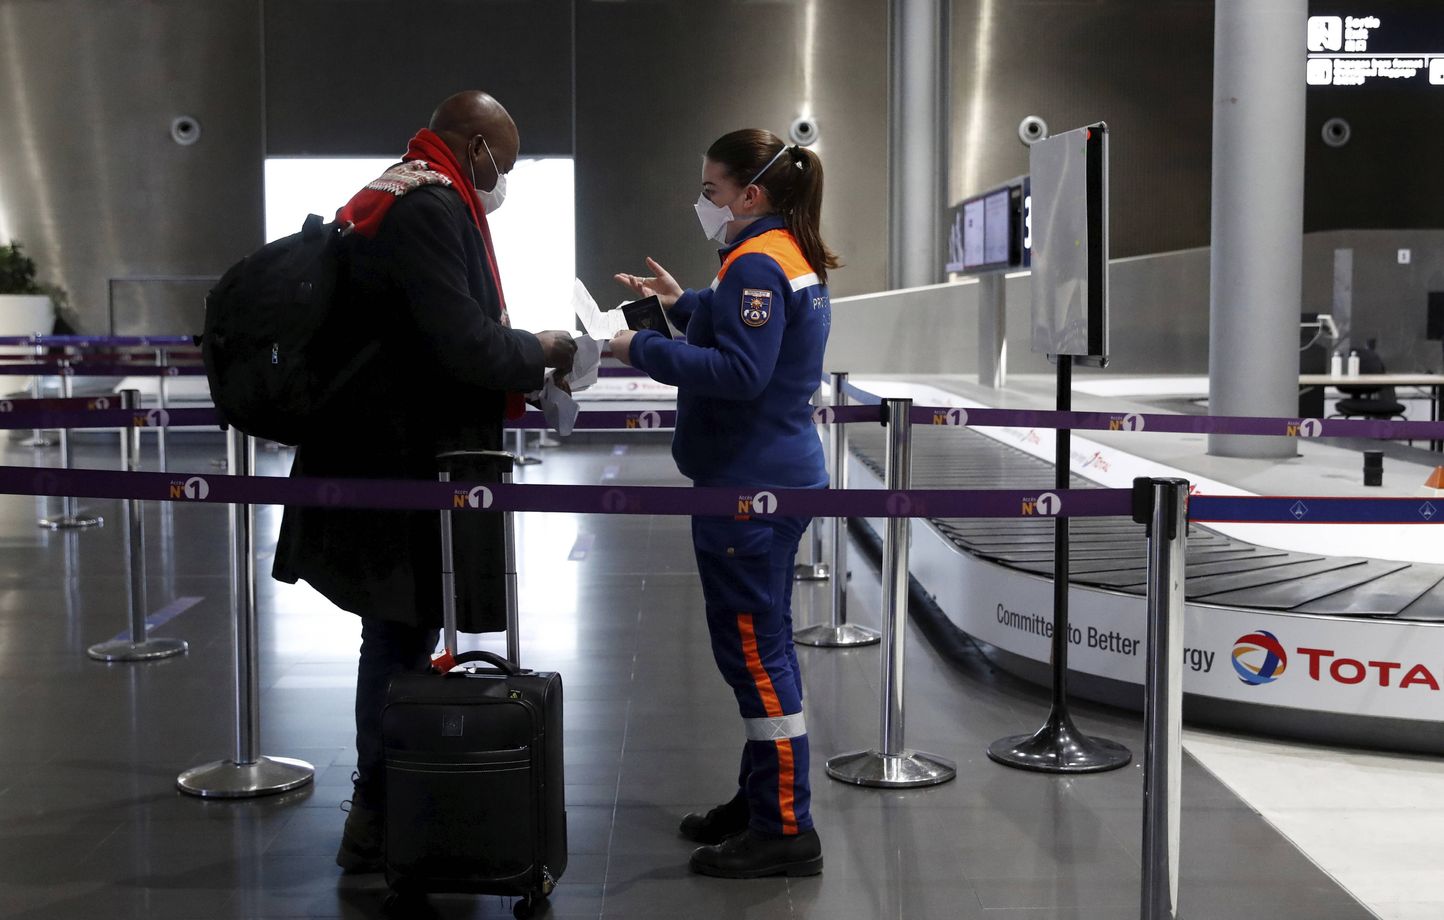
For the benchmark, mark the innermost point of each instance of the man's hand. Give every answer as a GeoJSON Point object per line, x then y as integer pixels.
{"type": "Point", "coordinates": [558, 350]}
{"type": "Point", "coordinates": [622, 346]}
{"type": "Point", "coordinates": [662, 284]}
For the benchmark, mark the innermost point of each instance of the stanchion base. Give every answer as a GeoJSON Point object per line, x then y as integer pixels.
{"type": "Point", "coordinates": [39, 442]}
{"type": "Point", "coordinates": [70, 522]}
{"type": "Point", "coordinates": [892, 771]}
{"type": "Point", "coordinates": [810, 571]}
{"type": "Point", "coordinates": [847, 635]}
{"type": "Point", "coordinates": [126, 650]}
{"type": "Point", "coordinates": [226, 779]}
{"type": "Point", "coordinates": [524, 460]}
{"type": "Point", "coordinates": [1059, 747]}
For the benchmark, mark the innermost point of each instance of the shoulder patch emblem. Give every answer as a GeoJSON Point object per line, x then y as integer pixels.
{"type": "Point", "coordinates": [756, 307]}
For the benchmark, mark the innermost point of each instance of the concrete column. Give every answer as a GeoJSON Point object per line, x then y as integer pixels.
{"type": "Point", "coordinates": [1258, 216]}
{"type": "Point", "coordinates": [916, 141]}
{"type": "Point", "coordinates": [992, 331]}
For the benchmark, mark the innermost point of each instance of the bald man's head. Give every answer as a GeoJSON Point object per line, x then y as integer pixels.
{"type": "Point", "coordinates": [473, 123]}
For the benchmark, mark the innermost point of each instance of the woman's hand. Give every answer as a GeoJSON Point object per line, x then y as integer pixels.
{"type": "Point", "coordinates": [661, 284]}
{"type": "Point", "coordinates": [622, 346]}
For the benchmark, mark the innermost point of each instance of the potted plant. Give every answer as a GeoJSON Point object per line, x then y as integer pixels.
{"type": "Point", "coordinates": [26, 306]}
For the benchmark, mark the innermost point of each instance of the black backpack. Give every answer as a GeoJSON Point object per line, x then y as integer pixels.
{"type": "Point", "coordinates": [271, 363]}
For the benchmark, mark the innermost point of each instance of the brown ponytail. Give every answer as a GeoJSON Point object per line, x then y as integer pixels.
{"type": "Point", "coordinates": [793, 184]}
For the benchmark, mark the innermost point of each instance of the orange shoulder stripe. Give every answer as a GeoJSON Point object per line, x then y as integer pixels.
{"type": "Point", "coordinates": [780, 245]}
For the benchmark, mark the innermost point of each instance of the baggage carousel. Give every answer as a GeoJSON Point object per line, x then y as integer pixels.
{"type": "Point", "coordinates": [1344, 649]}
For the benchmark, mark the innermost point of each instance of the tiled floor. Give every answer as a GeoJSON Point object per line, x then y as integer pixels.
{"type": "Point", "coordinates": [91, 825]}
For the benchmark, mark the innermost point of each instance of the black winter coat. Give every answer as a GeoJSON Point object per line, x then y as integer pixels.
{"type": "Point", "coordinates": [422, 289]}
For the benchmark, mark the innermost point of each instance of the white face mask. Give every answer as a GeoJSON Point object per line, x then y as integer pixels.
{"type": "Point", "coordinates": [714, 219]}
{"type": "Point", "coordinates": [493, 199]}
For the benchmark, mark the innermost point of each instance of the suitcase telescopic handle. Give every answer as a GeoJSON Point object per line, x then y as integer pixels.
{"type": "Point", "coordinates": [505, 461]}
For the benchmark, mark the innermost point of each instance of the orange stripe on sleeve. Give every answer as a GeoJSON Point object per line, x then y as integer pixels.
{"type": "Point", "coordinates": [785, 782]}
{"type": "Point", "coordinates": [754, 666]}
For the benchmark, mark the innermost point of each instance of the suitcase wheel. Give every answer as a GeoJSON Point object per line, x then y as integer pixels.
{"type": "Point", "coordinates": [533, 905]}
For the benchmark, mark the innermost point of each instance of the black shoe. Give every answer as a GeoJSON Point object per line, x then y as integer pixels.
{"type": "Point", "coordinates": [362, 840]}
{"type": "Point", "coordinates": [719, 823]}
{"type": "Point", "coordinates": [751, 855]}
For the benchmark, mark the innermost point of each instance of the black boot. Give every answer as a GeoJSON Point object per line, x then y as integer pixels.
{"type": "Point", "coordinates": [719, 823]}
{"type": "Point", "coordinates": [362, 840]}
{"type": "Point", "coordinates": [752, 855]}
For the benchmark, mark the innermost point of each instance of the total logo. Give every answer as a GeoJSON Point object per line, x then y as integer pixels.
{"type": "Point", "coordinates": [157, 418]}
{"type": "Point", "coordinates": [193, 489]}
{"type": "Point", "coordinates": [100, 402]}
{"type": "Point", "coordinates": [1259, 658]}
{"type": "Point", "coordinates": [6, 405]}
{"type": "Point", "coordinates": [823, 415]}
{"type": "Point", "coordinates": [1048, 505]}
{"type": "Point", "coordinates": [479, 497]}
{"type": "Point", "coordinates": [650, 419]}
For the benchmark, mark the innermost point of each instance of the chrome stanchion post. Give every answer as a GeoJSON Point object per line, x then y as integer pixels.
{"type": "Point", "coordinates": [37, 437]}
{"type": "Point", "coordinates": [139, 647]}
{"type": "Point", "coordinates": [522, 458]}
{"type": "Point", "coordinates": [1160, 503]}
{"type": "Point", "coordinates": [68, 519]}
{"type": "Point", "coordinates": [814, 569]}
{"type": "Point", "coordinates": [162, 361]}
{"type": "Point", "coordinates": [839, 633]}
{"type": "Point", "coordinates": [249, 774]}
{"type": "Point", "coordinates": [893, 765]}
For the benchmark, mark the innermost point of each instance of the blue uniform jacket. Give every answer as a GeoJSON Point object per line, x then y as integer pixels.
{"type": "Point", "coordinates": [751, 362]}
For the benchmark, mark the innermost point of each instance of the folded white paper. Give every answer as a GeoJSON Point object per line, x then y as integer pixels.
{"type": "Point", "coordinates": [558, 407]}
{"type": "Point", "coordinates": [585, 364]}
{"type": "Point", "coordinates": [595, 323]}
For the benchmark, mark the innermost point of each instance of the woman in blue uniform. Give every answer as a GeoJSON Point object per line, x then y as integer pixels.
{"type": "Point", "coordinates": [744, 376]}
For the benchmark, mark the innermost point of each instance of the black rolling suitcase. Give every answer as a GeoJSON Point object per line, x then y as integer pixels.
{"type": "Point", "coordinates": [474, 783]}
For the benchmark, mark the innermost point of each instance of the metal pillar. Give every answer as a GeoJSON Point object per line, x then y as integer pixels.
{"type": "Point", "coordinates": [138, 647]}
{"type": "Point", "coordinates": [249, 774]}
{"type": "Point", "coordinates": [1059, 747]}
{"type": "Point", "coordinates": [992, 331]}
{"type": "Point", "coordinates": [839, 633]}
{"type": "Point", "coordinates": [1256, 262]}
{"type": "Point", "coordinates": [1161, 504]}
{"type": "Point", "coordinates": [68, 519]}
{"type": "Point", "coordinates": [917, 141]}
{"type": "Point", "coordinates": [893, 765]}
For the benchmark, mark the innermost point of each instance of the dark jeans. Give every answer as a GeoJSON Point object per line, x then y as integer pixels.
{"type": "Point", "coordinates": [387, 649]}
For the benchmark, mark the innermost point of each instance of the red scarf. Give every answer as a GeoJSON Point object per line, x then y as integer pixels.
{"type": "Point", "coordinates": [428, 161]}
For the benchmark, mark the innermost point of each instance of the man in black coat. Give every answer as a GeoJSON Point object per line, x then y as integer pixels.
{"type": "Point", "coordinates": [422, 281]}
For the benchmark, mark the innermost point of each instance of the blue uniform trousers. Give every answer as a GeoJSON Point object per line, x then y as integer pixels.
{"type": "Point", "coordinates": [746, 567]}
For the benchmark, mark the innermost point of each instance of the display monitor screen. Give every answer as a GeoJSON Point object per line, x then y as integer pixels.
{"type": "Point", "coordinates": [1386, 44]}
{"type": "Point", "coordinates": [973, 234]}
{"type": "Point", "coordinates": [997, 228]}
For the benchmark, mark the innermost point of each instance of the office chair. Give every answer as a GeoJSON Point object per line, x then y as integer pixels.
{"type": "Point", "coordinates": [1369, 400]}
